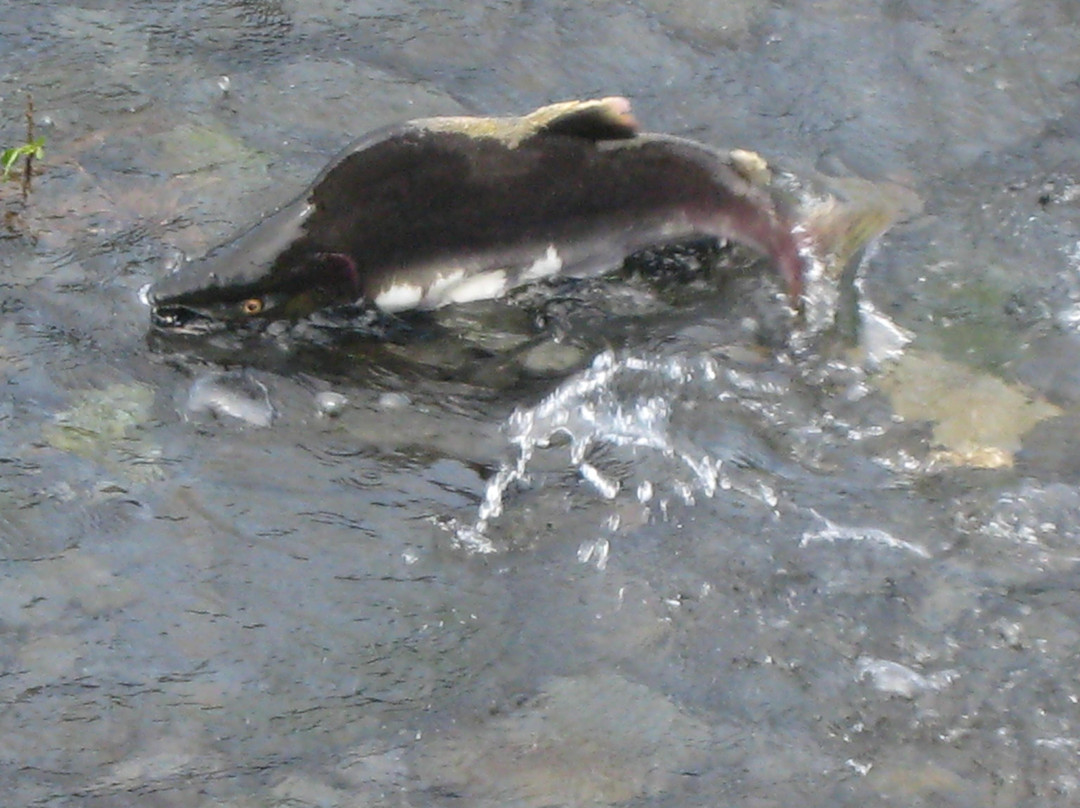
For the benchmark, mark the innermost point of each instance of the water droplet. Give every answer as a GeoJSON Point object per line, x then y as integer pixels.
{"type": "Point", "coordinates": [329, 404]}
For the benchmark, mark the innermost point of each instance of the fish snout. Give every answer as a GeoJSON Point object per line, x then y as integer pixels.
{"type": "Point", "coordinates": [179, 319]}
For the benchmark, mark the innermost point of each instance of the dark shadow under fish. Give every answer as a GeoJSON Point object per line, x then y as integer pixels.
{"type": "Point", "coordinates": [452, 210]}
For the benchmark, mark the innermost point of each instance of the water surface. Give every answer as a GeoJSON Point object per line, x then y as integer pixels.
{"type": "Point", "coordinates": [671, 558]}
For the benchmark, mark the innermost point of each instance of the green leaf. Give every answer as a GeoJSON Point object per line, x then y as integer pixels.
{"type": "Point", "coordinates": [7, 160]}
{"type": "Point", "coordinates": [8, 157]}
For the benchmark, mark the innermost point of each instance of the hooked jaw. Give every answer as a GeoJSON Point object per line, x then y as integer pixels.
{"type": "Point", "coordinates": [203, 311]}
{"type": "Point", "coordinates": [172, 308]}
{"type": "Point", "coordinates": [178, 319]}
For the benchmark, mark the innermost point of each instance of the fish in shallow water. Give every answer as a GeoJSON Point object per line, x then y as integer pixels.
{"type": "Point", "coordinates": [457, 209]}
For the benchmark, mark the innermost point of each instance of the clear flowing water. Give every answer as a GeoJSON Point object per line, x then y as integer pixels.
{"type": "Point", "coordinates": [639, 544]}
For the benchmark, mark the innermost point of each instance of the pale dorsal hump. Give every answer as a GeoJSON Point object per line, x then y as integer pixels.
{"type": "Point", "coordinates": [596, 119]}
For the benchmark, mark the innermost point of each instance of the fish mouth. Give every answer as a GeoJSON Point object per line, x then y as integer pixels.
{"type": "Point", "coordinates": [177, 319]}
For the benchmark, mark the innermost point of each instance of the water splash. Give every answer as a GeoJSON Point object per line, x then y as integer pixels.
{"type": "Point", "coordinates": [663, 408]}
{"type": "Point", "coordinates": [895, 679]}
{"type": "Point", "coordinates": [833, 532]}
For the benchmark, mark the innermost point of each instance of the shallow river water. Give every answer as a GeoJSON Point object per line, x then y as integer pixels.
{"type": "Point", "coordinates": [695, 557]}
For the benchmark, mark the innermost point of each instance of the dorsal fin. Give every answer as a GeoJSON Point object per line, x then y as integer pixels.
{"type": "Point", "coordinates": [595, 119]}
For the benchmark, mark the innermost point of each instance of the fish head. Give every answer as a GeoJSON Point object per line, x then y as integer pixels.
{"type": "Point", "coordinates": [204, 297]}
{"type": "Point", "coordinates": [273, 271]}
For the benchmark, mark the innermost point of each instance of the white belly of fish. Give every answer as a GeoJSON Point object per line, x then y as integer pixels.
{"type": "Point", "coordinates": [458, 285]}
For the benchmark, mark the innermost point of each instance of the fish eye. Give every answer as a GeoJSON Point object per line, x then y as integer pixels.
{"type": "Point", "coordinates": [253, 305]}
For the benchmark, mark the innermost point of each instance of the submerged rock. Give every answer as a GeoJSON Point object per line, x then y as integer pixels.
{"type": "Point", "coordinates": [978, 419]}
{"type": "Point", "coordinates": [582, 741]}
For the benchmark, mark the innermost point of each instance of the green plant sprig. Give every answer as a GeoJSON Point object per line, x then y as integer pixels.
{"type": "Point", "coordinates": [35, 150]}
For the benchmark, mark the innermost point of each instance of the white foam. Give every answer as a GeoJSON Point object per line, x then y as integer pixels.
{"type": "Point", "coordinates": [484, 286]}
{"type": "Point", "coordinates": [399, 297]}
{"type": "Point", "coordinates": [596, 551]}
{"type": "Point", "coordinates": [833, 532]}
{"type": "Point", "coordinates": [900, 680]}
{"type": "Point", "coordinates": [606, 487]}
{"type": "Point", "coordinates": [144, 294]}
{"type": "Point", "coordinates": [881, 337]}
{"type": "Point", "coordinates": [545, 266]}
{"type": "Point", "coordinates": [435, 295]}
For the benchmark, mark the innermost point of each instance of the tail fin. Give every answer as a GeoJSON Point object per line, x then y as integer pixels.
{"type": "Point", "coordinates": [837, 221]}
{"type": "Point", "coordinates": [839, 227]}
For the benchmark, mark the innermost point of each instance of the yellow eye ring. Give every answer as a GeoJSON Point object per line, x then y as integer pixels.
{"type": "Point", "coordinates": [253, 305]}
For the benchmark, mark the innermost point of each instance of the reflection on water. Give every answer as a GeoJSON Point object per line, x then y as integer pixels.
{"type": "Point", "coordinates": [724, 567]}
